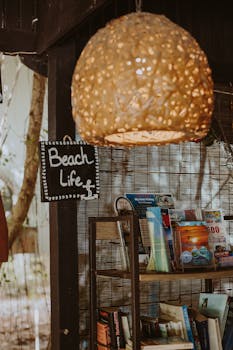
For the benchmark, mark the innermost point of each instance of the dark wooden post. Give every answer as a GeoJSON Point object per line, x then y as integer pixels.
{"type": "Point", "coordinates": [63, 214]}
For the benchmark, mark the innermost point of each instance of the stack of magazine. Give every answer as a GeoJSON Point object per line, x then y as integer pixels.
{"type": "Point", "coordinates": [173, 239]}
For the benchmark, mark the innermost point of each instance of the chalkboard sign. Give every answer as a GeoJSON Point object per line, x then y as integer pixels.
{"type": "Point", "coordinates": [69, 170]}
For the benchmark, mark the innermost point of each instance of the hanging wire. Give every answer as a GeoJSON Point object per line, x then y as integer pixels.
{"type": "Point", "coordinates": [138, 5]}
{"type": "Point", "coordinates": [223, 92]}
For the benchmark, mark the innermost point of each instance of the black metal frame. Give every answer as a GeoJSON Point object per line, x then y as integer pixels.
{"type": "Point", "coordinates": [134, 276]}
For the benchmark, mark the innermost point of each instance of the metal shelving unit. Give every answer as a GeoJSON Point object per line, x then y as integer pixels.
{"type": "Point", "coordinates": [135, 276]}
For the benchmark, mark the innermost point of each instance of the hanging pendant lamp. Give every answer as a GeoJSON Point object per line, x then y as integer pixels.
{"type": "Point", "coordinates": [142, 80]}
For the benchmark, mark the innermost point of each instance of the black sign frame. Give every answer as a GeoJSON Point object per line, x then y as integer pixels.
{"type": "Point", "coordinates": [69, 170]}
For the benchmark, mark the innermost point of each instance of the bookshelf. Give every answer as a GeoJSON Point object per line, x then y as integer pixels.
{"type": "Point", "coordinates": [153, 277]}
{"type": "Point", "coordinates": [134, 275]}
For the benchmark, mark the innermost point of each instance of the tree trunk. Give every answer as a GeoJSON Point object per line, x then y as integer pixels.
{"type": "Point", "coordinates": [20, 209]}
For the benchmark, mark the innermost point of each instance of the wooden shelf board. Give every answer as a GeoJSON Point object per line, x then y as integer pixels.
{"type": "Point", "coordinates": [155, 276]}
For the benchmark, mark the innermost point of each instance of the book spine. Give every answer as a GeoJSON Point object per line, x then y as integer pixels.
{"type": "Point", "coordinates": [102, 347]}
{"type": "Point", "coordinates": [225, 315]}
{"type": "Point", "coordinates": [116, 317]}
{"type": "Point", "coordinates": [109, 317]}
{"type": "Point", "coordinates": [125, 327]}
{"type": "Point", "coordinates": [194, 331]}
{"type": "Point", "coordinates": [159, 259]}
{"type": "Point", "coordinates": [202, 329]}
{"type": "Point", "coordinates": [187, 325]}
{"type": "Point", "coordinates": [197, 343]}
{"type": "Point", "coordinates": [228, 336]}
{"type": "Point", "coordinates": [122, 340]}
{"type": "Point", "coordinates": [103, 334]}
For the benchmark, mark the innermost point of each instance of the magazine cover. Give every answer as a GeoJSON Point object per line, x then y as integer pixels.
{"type": "Point", "coordinates": [214, 305]}
{"type": "Point", "coordinates": [167, 227]}
{"type": "Point", "coordinates": [141, 201]}
{"type": "Point", "coordinates": [159, 255]}
{"type": "Point", "coordinates": [122, 206]}
{"type": "Point", "coordinates": [217, 232]}
{"type": "Point", "coordinates": [218, 238]}
{"type": "Point", "coordinates": [178, 215]}
{"type": "Point", "coordinates": [165, 200]}
{"type": "Point", "coordinates": [194, 246]}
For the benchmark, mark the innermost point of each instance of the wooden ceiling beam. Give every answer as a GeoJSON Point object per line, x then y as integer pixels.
{"type": "Point", "coordinates": [58, 19]}
{"type": "Point", "coordinates": [17, 41]}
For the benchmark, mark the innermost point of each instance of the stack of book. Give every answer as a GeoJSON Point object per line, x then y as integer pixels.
{"type": "Point", "coordinates": [209, 327]}
{"type": "Point", "coordinates": [112, 328]}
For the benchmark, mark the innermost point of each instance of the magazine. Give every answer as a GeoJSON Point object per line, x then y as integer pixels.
{"type": "Point", "coordinates": [141, 202]}
{"type": "Point", "coordinates": [123, 206]}
{"type": "Point", "coordinates": [215, 305]}
{"type": "Point", "coordinates": [218, 238]}
{"type": "Point", "coordinates": [159, 255]}
{"type": "Point", "coordinates": [189, 214]}
{"type": "Point", "coordinates": [194, 250]}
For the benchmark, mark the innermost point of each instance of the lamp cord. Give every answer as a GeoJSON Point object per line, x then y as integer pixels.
{"type": "Point", "coordinates": [138, 5]}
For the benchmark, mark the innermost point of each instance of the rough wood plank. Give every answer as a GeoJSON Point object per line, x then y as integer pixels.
{"type": "Point", "coordinates": [12, 13]}
{"type": "Point", "coordinates": [28, 13]}
{"type": "Point", "coordinates": [152, 276]}
{"type": "Point", "coordinates": [107, 230]}
{"type": "Point", "coordinates": [17, 41]}
{"type": "Point", "coordinates": [63, 214]}
{"type": "Point", "coordinates": [68, 16]}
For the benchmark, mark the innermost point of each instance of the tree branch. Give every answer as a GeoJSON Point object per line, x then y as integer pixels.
{"type": "Point", "coordinates": [20, 209]}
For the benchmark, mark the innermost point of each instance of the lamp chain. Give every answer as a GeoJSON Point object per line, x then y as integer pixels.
{"type": "Point", "coordinates": [138, 5]}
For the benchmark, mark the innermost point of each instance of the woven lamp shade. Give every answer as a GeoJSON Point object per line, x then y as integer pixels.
{"type": "Point", "coordinates": [142, 80]}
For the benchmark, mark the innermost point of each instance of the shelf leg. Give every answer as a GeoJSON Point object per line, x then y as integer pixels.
{"type": "Point", "coordinates": [92, 287]}
{"type": "Point", "coordinates": [135, 290]}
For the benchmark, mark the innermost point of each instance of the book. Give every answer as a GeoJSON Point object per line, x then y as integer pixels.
{"type": "Point", "coordinates": [112, 315]}
{"type": "Point", "coordinates": [172, 312]}
{"type": "Point", "coordinates": [214, 305]}
{"type": "Point", "coordinates": [167, 226]}
{"type": "Point", "coordinates": [103, 334]}
{"type": "Point", "coordinates": [202, 329]}
{"type": "Point", "coordinates": [102, 347]}
{"type": "Point", "coordinates": [188, 214]}
{"type": "Point", "coordinates": [122, 339]}
{"type": "Point", "coordinates": [164, 200]}
{"type": "Point", "coordinates": [171, 328]}
{"type": "Point", "coordinates": [218, 238]}
{"type": "Point", "coordinates": [159, 254]}
{"type": "Point", "coordinates": [107, 315]}
{"type": "Point", "coordinates": [141, 201]}
{"type": "Point", "coordinates": [123, 206]}
{"type": "Point", "coordinates": [194, 250]}
{"type": "Point", "coordinates": [215, 338]}
{"type": "Point", "coordinates": [149, 327]}
{"type": "Point", "coordinates": [227, 340]}
{"type": "Point", "coordinates": [192, 315]}
{"type": "Point", "coordinates": [170, 343]}
{"type": "Point", "coordinates": [125, 327]}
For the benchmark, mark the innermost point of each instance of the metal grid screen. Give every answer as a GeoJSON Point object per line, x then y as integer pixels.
{"type": "Point", "coordinates": [196, 176]}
